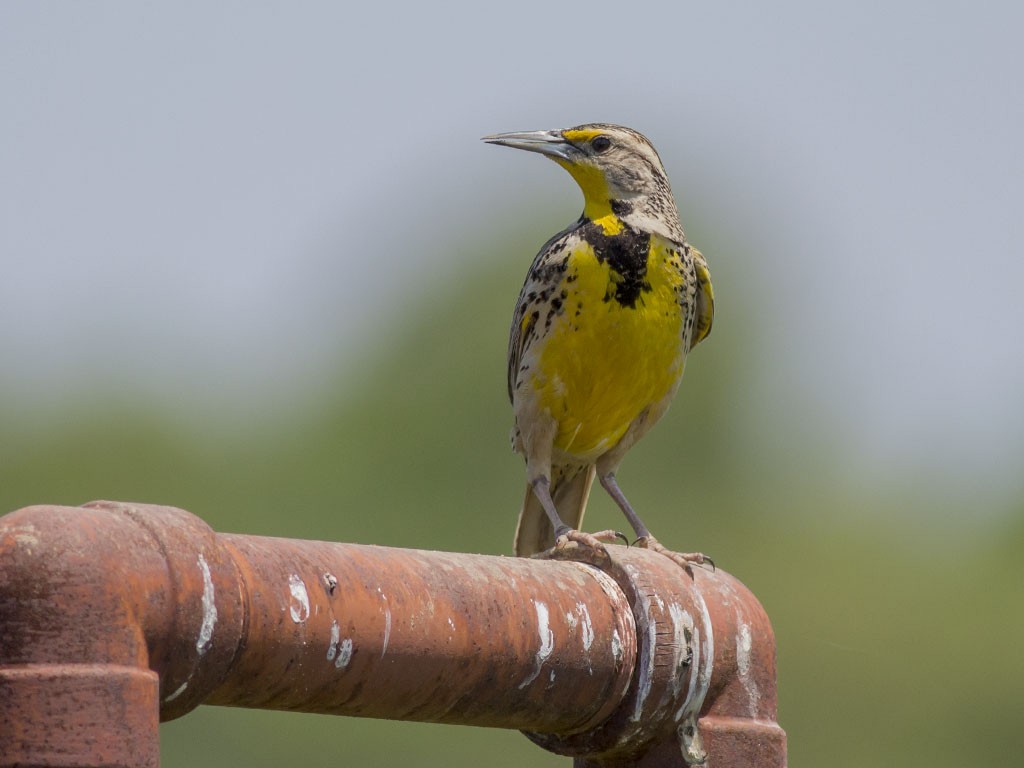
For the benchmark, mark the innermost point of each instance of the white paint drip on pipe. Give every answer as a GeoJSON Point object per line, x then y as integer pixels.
{"type": "Point", "coordinates": [618, 600]}
{"type": "Point", "coordinates": [177, 693]}
{"type": "Point", "coordinates": [700, 680]}
{"type": "Point", "coordinates": [332, 648]}
{"type": "Point", "coordinates": [588, 627]}
{"type": "Point", "coordinates": [547, 641]}
{"type": "Point", "coordinates": [744, 642]}
{"type": "Point", "coordinates": [339, 651]}
{"type": "Point", "coordinates": [704, 678]}
{"type": "Point", "coordinates": [209, 609]}
{"type": "Point", "coordinates": [299, 607]}
{"type": "Point", "coordinates": [387, 631]}
{"type": "Point", "coordinates": [25, 535]}
{"type": "Point", "coordinates": [703, 644]}
{"type": "Point", "coordinates": [682, 625]}
{"type": "Point", "coordinates": [344, 653]}
{"type": "Point", "coordinates": [646, 662]}
{"type": "Point", "coordinates": [206, 626]}
{"type": "Point", "coordinates": [744, 645]}
{"type": "Point", "coordinates": [387, 623]}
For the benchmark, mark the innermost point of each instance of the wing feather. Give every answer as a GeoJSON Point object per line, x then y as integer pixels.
{"type": "Point", "coordinates": [705, 313]}
{"type": "Point", "coordinates": [533, 299]}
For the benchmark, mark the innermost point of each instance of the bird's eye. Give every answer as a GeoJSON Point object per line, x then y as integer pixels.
{"type": "Point", "coordinates": [601, 143]}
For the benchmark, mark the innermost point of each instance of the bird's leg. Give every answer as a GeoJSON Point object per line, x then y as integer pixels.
{"type": "Point", "coordinates": [563, 533]}
{"type": "Point", "coordinates": [644, 537]}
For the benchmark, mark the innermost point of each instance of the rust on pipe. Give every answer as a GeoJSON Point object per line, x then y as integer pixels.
{"type": "Point", "coordinates": [704, 690]}
{"type": "Point", "coordinates": [429, 636]}
{"type": "Point", "coordinates": [114, 616]}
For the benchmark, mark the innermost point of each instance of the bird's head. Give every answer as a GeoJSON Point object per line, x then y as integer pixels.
{"type": "Point", "coordinates": [619, 171]}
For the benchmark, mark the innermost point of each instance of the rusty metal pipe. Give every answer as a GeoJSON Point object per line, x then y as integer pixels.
{"type": "Point", "coordinates": [429, 636]}
{"type": "Point", "coordinates": [114, 616]}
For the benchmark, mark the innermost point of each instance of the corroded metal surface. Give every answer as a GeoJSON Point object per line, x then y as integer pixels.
{"type": "Point", "coordinates": [739, 718]}
{"type": "Point", "coordinates": [78, 714]}
{"type": "Point", "coordinates": [115, 615]}
{"type": "Point", "coordinates": [707, 651]}
{"type": "Point", "coordinates": [429, 636]}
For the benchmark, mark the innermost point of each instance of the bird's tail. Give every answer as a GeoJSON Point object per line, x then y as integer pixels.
{"type": "Point", "coordinates": [570, 489]}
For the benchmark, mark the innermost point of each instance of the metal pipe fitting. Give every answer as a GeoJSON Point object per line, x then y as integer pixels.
{"type": "Point", "coordinates": [115, 616]}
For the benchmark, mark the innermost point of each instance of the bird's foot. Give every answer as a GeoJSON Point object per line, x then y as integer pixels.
{"type": "Point", "coordinates": [611, 535]}
{"type": "Point", "coordinates": [592, 541]}
{"type": "Point", "coordinates": [683, 559]}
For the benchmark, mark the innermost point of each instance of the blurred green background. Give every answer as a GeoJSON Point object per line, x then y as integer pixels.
{"type": "Point", "coordinates": [896, 622]}
{"type": "Point", "coordinates": [258, 269]}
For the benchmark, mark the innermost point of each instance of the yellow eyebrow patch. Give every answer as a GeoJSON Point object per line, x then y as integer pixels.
{"type": "Point", "coordinates": [581, 135]}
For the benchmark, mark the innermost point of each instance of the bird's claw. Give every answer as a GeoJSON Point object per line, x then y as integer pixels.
{"type": "Point", "coordinates": [683, 559]}
{"type": "Point", "coordinates": [591, 541]}
{"type": "Point", "coordinates": [588, 540]}
{"type": "Point", "coordinates": [611, 535]}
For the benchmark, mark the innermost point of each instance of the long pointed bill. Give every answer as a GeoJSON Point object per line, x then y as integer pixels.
{"type": "Point", "coordinates": [550, 143]}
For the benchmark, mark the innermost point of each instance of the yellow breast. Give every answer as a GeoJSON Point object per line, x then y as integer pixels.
{"type": "Point", "coordinates": [603, 362]}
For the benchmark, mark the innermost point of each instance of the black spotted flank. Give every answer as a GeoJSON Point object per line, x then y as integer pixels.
{"type": "Point", "coordinates": [626, 253]}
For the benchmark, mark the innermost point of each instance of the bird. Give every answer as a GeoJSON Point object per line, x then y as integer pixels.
{"type": "Point", "coordinates": [609, 310]}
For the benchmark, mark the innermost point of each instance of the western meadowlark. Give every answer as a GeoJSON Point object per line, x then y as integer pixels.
{"type": "Point", "coordinates": [608, 312]}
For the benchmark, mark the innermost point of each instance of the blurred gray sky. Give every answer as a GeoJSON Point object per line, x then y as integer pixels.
{"type": "Point", "coordinates": [190, 193]}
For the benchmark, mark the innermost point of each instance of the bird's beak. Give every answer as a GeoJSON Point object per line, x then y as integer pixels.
{"type": "Point", "coordinates": [550, 143]}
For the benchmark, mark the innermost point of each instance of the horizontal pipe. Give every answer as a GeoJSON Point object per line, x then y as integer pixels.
{"type": "Point", "coordinates": [430, 636]}
{"type": "Point", "coordinates": [606, 661]}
